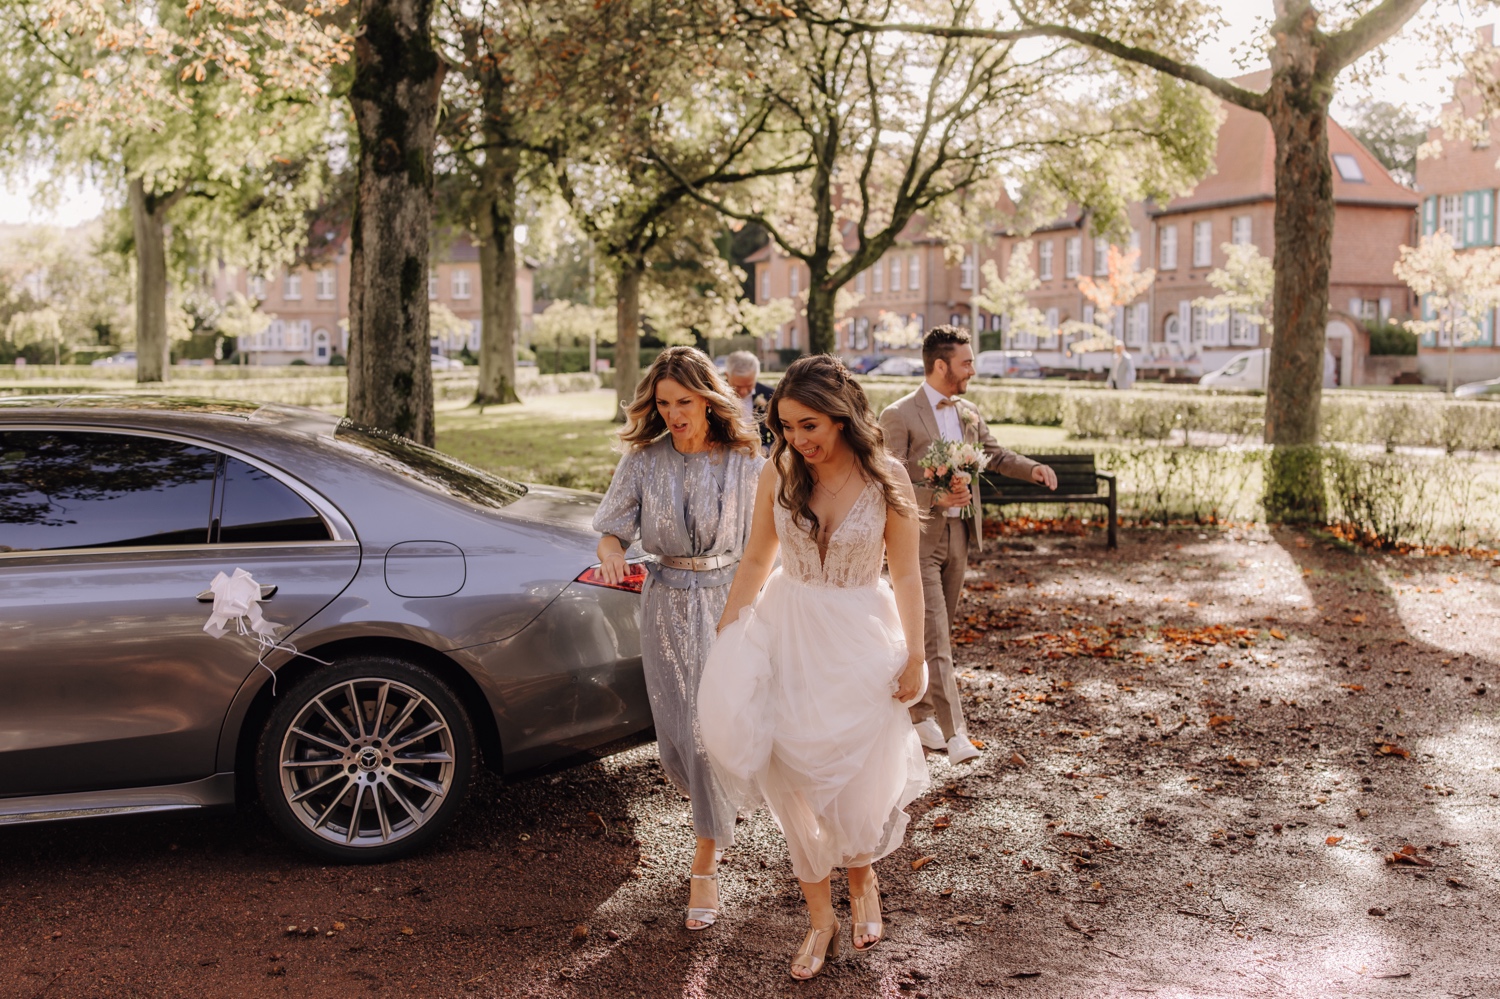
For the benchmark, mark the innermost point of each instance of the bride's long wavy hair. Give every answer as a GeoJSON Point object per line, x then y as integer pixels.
{"type": "Point", "coordinates": [823, 384]}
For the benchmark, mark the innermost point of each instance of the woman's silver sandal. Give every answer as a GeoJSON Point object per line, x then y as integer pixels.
{"type": "Point", "coordinates": [703, 916]}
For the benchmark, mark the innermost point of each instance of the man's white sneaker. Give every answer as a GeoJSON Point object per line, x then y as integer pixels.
{"type": "Point", "coordinates": [961, 749]}
{"type": "Point", "coordinates": [930, 734]}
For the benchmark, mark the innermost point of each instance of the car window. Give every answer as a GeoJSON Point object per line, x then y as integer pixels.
{"type": "Point", "coordinates": [81, 489]}
{"type": "Point", "coordinates": [430, 468]}
{"type": "Point", "coordinates": [259, 508]}
{"type": "Point", "coordinates": [1236, 366]}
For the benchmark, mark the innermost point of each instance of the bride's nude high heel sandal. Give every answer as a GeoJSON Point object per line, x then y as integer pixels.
{"type": "Point", "coordinates": [818, 948]}
{"type": "Point", "coordinates": [866, 919]}
{"type": "Point", "coordinates": [707, 915]}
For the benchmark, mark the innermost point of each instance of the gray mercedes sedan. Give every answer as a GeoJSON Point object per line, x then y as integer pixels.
{"type": "Point", "coordinates": [426, 616]}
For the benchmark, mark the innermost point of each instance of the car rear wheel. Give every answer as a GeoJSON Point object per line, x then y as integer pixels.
{"type": "Point", "coordinates": [367, 761]}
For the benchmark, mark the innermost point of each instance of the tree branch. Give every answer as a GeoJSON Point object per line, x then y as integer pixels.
{"type": "Point", "coordinates": [1218, 86]}
{"type": "Point", "coordinates": [1368, 32]}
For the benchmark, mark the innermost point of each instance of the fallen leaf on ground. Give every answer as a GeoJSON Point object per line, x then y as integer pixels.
{"type": "Point", "coordinates": [922, 862]}
{"type": "Point", "coordinates": [1334, 840]}
{"type": "Point", "coordinates": [1391, 749]}
{"type": "Point", "coordinates": [941, 822]}
{"type": "Point", "coordinates": [1408, 855]}
{"type": "Point", "coordinates": [1279, 634]}
{"type": "Point", "coordinates": [1214, 721]}
{"type": "Point", "coordinates": [407, 931]}
{"type": "Point", "coordinates": [1017, 759]}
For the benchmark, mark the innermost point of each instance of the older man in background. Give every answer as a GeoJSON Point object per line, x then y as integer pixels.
{"type": "Point", "coordinates": [1122, 374]}
{"type": "Point", "coordinates": [742, 371]}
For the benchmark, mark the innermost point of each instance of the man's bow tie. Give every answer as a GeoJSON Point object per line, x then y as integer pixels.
{"type": "Point", "coordinates": [947, 402]}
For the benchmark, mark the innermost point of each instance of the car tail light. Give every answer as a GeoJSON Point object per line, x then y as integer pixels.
{"type": "Point", "coordinates": [634, 581]}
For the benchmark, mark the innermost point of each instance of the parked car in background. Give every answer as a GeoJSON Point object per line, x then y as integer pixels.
{"type": "Point", "coordinates": [428, 615]}
{"type": "Point", "coordinates": [1007, 364]}
{"type": "Point", "coordinates": [1479, 390]}
{"type": "Point", "coordinates": [863, 365]}
{"type": "Point", "coordinates": [441, 363]}
{"type": "Point", "coordinates": [122, 359]}
{"type": "Point", "coordinates": [905, 367]}
{"type": "Point", "coordinates": [1249, 371]}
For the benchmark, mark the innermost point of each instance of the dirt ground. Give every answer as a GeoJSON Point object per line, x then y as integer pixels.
{"type": "Point", "coordinates": [1202, 752]}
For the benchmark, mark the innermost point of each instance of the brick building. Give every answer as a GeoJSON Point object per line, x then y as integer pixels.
{"type": "Point", "coordinates": [309, 306]}
{"type": "Point", "coordinates": [1459, 188]}
{"type": "Point", "coordinates": [1182, 240]}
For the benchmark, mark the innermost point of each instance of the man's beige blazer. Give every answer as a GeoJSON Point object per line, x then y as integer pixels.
{"type": "Point", "coordinates": [910, 427]}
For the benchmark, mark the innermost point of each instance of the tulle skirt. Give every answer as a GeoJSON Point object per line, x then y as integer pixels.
{"type": "Point", "coordinates": [795, 711]}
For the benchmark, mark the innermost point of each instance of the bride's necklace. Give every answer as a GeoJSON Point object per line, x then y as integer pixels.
{"type": "Point", "coordinates": [842, 486]}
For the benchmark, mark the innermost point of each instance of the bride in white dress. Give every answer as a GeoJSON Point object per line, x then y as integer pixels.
{"type": "Point", "coordinates": [801, 702]}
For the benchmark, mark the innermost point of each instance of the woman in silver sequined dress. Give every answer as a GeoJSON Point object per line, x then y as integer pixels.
{"type": "Point", "coordinates": [685, 488]}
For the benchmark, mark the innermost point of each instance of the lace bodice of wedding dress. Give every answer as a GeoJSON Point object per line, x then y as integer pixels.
{"type": "Point", "coordinates": [855, 549]}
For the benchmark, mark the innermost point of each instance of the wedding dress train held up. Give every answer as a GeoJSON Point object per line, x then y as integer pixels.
{"type": "Point", "coordinates": [795, 708]}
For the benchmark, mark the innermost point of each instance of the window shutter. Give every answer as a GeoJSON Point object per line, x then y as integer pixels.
{"type": "Point", "coordinates": [1486, 203]}
{"type": "Point", "coordinates": [1185, 322]}
{"type": "Point", "coordinates": [1471, 218]}
{"type": "Point", "coordinates": [1429, 216]}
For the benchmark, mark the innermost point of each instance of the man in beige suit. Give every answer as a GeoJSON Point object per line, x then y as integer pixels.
{"type": "Point", "coordinates": [911, 424]}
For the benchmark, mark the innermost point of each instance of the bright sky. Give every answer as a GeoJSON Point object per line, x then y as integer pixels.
{"type": "Point", "coordinates": [1404, 81]}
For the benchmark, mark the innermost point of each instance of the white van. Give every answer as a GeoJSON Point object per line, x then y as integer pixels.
{"type": "Point", "coordinates": [1249, 371]}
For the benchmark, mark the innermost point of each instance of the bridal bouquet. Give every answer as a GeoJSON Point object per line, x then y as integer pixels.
{"type": "Point", "coordinates": [949, 464]}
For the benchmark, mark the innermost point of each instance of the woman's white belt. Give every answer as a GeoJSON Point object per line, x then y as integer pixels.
{"type": "Point", "coordinates": [697, 563]}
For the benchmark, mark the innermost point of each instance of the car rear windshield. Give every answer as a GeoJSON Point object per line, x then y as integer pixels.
{"type": "Point", "coordinates": [433, 469]}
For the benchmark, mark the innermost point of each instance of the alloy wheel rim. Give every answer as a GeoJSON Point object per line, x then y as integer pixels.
{"type": "Point", "coordinates": [367, 762]}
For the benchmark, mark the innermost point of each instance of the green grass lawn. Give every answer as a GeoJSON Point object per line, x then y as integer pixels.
{"type": "Point", "coordinates": [568, 439]}
{"type": "Point", "coordinates": [564, 440]}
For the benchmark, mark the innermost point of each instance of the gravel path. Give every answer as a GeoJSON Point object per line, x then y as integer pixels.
{"type": "Point", "coordinates": [1201, 754]}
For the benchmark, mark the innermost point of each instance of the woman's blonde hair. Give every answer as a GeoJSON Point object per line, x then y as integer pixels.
{"type": "Point", "coordinates": [690, 368]}
{"type": "Point", "coordinates": [824, 385]}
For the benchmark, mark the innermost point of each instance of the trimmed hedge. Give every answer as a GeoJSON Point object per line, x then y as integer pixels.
{"type": "Point", "coordinates": [1422, 500]}
{"type": "Point", "coordinates": [1381, 419]}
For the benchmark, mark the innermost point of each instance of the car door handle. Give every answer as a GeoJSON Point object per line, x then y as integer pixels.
{"type": "Point", "coordinates": [267, 591]}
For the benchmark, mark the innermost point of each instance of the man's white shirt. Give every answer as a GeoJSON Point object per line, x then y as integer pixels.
{"type": "Point", "coordinates": [948, 426]}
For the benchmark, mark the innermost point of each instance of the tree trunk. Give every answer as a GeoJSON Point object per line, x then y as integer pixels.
{"type": "Point", "coordinates": [628, 334]}
{"type": "Point", "coordinates": [1298, 112]}
{"type": "Point", "coordinates": [498, 261]}
{"type": "Point", "coordinates": [397, 80]}
{"type": "Point", "coordinates": [821, 334]}
{"type": "Point", "coordinates": [148, 216]}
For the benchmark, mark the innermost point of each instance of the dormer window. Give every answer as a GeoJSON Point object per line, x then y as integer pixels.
{"type": "Point", "coordinates": [1348, 168]}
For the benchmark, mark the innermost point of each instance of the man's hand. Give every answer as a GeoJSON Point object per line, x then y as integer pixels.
{"type": "Point", "coordinates": [957, 496]}
{"type": "Point", "coordinates": [1043, 475]}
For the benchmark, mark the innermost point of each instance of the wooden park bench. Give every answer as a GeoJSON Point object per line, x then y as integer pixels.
{"type": "Point", "coordinates": [1078, 481]}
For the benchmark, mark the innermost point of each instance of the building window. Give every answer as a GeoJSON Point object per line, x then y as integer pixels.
{"type": "Point", "coordinates": [1203, 243]}
{"type": "Point", "coordinates": [1239, 230]}
{"type": "Point", "coordinates": [1348, 168]}
{"type": "Point", "coordinates": [914, 272]}
{"type": "Point", "coordinates": [859, 283]}
{"type": "Point", "coordinates": [996, 324]}
{"type": "Point", "coordinates": [432, 286]}
{"type": "Point", "coordinates": [460, 284]}
{"type": "Point", "coordinates": [1451, 216]}
{"type": "Point", "coordinates": [291, 289]}
{"type": "Point", "coordinates": [325, 283]}
{"type": "Point", "coordinates": [1044, 261]}
{"type": "Point", "coordinates": [1138, 324]}
{"type": "Point", "coordinates": [1072, 256]}
{"type": "Point", "coordinates": [966, 272]}
{"type": "Point", "coordinates": [1168, 261]}
{"type": "Point", "coordinates": [1242, 332]}
{"type": "Point", "coordinates": [895, 274]}
{"type": "Point", "coordinates": [796, 279]}
{"type": "Point", "coordinates": [255, 285]}
{"type": "Point", "coordinates": [765, 285]}
{"type": "Point", "coordinates": [877, 277]}
{"type": "Point", "coordinates": [1101, 258]}
{"type": "Point", "coordinates": [954, 319]}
